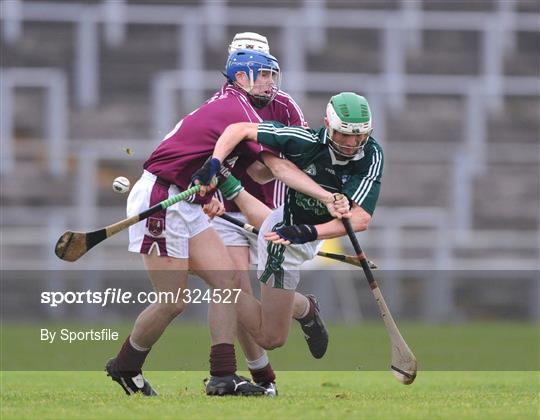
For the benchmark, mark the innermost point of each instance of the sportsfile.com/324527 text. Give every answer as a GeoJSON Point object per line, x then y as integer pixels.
{"type": "Point", "coordinates": [113, 295]}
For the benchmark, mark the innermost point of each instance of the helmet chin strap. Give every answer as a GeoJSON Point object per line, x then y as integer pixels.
{"type": "Point", "coordinates": [334, 146]}
{"type": "Point", "coordinates": [247, 90]}
{"type": "Point", "coordinates": [330, 132]}
{"type": "Point", "coordinates": [251, 81]}
{"type": "Point", "coordinates": [258, 101]}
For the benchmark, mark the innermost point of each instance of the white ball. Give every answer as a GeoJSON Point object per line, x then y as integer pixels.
{"type": "Point", "coordinates": [120, 185]}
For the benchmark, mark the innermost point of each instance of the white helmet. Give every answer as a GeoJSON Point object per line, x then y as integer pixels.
{"type": "Point", "coordinates": [249, 41]}
{"type": "Point", "coordinates": [348, 113]}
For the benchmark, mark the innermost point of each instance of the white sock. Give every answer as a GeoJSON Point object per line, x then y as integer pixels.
{"type": "Point", "coordinates": [259, 363]}
{"type": "Point", "coordinates": [306, 311]}
{"type": "Point", "coordinates": [136, 346]}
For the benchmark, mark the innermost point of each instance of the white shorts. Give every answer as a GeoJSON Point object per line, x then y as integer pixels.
{"type": "Point", "coordinates": [233, 235]}
{"type": "Point", "coordinates": [279, 265]}
{"type": "Point", "coordinates": [169, 230]}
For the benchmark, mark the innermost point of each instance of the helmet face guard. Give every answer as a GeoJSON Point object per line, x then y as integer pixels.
{"type": "Point", "coordinates": [349, 114]}
{"type": "Point", "coordinates": [273, 82]}
{"type": "Point", "coordinates": [347, 152]}
{"type": "Point", "coordinates": [256, 65]}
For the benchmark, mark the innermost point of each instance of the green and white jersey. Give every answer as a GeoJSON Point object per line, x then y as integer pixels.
{"type": "Point", "coordinates": [359, 179]}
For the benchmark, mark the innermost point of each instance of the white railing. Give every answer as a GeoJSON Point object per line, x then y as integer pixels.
{"type": "Point", "coordinates": [310, 22]}
{"type": "Point", "coordinates": [470, 155]}
{"type": "Point", "coordinates": [54, 83]}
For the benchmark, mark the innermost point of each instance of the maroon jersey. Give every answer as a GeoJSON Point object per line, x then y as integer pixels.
{"type": "Point", "coordinates": [284, 110]}
{"type": "Point", "coordinates": [185, 149]}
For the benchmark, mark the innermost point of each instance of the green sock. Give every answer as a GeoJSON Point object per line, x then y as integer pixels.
{"type": "Point", "coordinates": [231, 187]}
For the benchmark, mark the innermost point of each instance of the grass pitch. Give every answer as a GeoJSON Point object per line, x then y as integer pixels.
{"type": "Point", "coordinates": [303, 395]}
{"type": "Point", "coordinates": [467, 371]}
{"type": "Point", "coordinates": [362, 347]}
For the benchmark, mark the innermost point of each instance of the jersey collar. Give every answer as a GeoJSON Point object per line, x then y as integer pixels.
{"type": "Point", "coordinates": [237, 90]}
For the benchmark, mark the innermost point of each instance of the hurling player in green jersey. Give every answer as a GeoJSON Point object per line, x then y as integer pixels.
{"type": "Point", "coordinates": [344, 159]}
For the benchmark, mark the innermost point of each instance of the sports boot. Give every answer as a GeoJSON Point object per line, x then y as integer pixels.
{"type": "Point", "coordinates": [232, 385]}
{"type": "Point", "coordinates": [131, 382]}
{"type": "Point", "coordinates": [315, 331]}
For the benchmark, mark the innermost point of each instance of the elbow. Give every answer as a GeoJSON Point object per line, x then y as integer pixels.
{"type": "Point", "coordinates": [260, 173]}
{"type": "Point", "coordinates": [275, 164]}
{"type": "Point", "coordinates": [240, 130]}
{"type": "Point", "coordinates": [360, 223]}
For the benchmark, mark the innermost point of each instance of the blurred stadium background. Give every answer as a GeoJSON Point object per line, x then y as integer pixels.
{"type": "Point", "coordinates": [88, 88]}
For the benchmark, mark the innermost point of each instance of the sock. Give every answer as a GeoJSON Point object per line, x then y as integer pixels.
{"type": "Point", "coordinates": [136, 346]}
{"type": "Point", "coordinates": [130, 359]}
{"type": "Point", "coordinates": [222, 360]}
{"type": "Point", "coordinates": [308, 313]}
{"type": "Point", "coordinates": [264, 375]}
{"type": "Point", "coordinates": [258, 363]}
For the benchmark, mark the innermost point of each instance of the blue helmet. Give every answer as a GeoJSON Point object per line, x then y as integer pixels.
{"type": "Point", "coordinates": [251, 62]}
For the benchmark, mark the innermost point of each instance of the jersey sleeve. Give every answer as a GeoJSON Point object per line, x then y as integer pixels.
{"type": "Point", "coordinates": [296, 117]}
{"type": "Point", "coordinates": [364, 188]}
{"type": "Point", "coordinates": [291, 141]}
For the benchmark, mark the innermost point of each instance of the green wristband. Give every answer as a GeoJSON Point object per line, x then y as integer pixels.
{"type": "Point", "coordinates": [231, 187]}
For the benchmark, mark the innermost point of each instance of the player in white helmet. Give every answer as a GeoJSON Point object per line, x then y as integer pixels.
{"type": "Point", "coordinates": [344, 159]}
{"type": "Point", "coordinates": [242, 246]}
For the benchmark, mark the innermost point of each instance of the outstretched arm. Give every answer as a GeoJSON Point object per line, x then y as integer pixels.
{"type": "Point", "coordinates": [232, 136]}
{"type": "Point", "coordinates": [333, 229]}
{"type": "Point", "coordinates": [299, 234]}
{"type": "Point", "coordinates": [229, 139]}
{"type": "Point", "coordinates": [288, 173]}
{"type": "Point", "coordinates": [282, 169]}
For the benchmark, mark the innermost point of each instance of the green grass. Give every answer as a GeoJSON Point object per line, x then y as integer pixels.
{"type": "Point", "coordinates": [484, 370]}
{"type": "Point", "coordinates": [303, 395]}
{"type": "Point", "coordinates": [363, 347]}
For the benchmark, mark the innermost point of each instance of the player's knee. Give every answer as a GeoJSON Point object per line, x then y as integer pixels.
{"type": "Point", "coordinates": [237, 280]}
{"type": "Point", "coordinates": [241, 281]}
{"type": "Point", "coordinates": [171, 309]}
{"type": "Point", "coordinates": [273, 342]}
{"type": "Point", "coordinates": [227, 280]}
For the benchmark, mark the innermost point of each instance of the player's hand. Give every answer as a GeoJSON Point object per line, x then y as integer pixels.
{"type": "Point", "coordinates": [342, 205]}
{"type": "Point", "coordinates": [214, 208]}
{"type": "Point", "coordinates": [206, 175]}
{"type": "Point", "coordinates": [296, 234]}
{"type": "Point", "coordinates": [338, 206]}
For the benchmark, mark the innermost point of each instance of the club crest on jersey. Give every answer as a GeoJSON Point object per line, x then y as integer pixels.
{"type": "Point", "coordinates": [155, 225]}
{"type": "Point", "coordinates": [311, 170]}
{"type": "Point", "coordinates": [345, 178]}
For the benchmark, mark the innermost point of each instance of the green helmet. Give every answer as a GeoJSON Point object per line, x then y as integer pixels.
{"type": "Point", "coordinates": [348, 113]}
